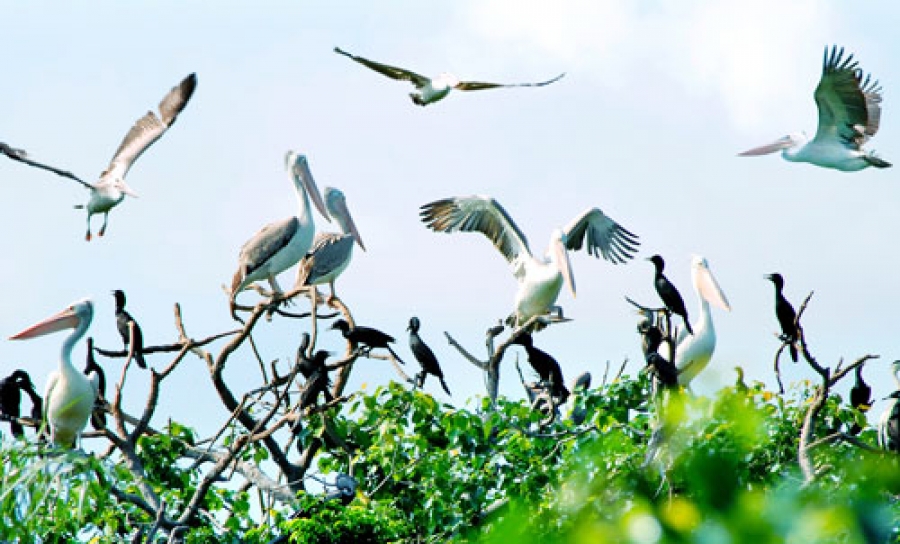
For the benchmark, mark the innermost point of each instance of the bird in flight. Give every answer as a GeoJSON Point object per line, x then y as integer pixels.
{"type": "Point", "coordinates": [430, 90]}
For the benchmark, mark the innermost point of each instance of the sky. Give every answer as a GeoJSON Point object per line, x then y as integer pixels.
{"type": "Point", "coordinates": [658, 99]}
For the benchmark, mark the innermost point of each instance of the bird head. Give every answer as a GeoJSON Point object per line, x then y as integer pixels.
{"type": "Point", "coordinates": [336, 204]}
{"type": "Point", "coordinates": [70, 318]}
{"type": "Point", "coordinates": [340, 325]}
{"type": "Point", "coordinates": [298, 166]}
{"type": "Point", "coordinates": [776, 278]}
{"type": "Point", "coordinates": [413, 324]}
{"type": "Point", "coordinates": [658, 262]}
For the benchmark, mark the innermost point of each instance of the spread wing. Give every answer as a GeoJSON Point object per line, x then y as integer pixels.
{"type": "Point", "coordinates": [849, 104]}
{"type": "Point", "coordinates": [602, 236]}
{"type": "Point", "coordinates": [479, 85]}
{"type": "Point", "coordinates": [150, 128]}
{"type": "Point", "coordinates": [266, 243]}
{"type": "Point", "coordinates": [477, 213]}
{"type": "Point", "coordinates": [21, 156]}
{"type": "Point", "coordinates": [392, 72]}
{"type": "Point", "coordinates": [329, 251]}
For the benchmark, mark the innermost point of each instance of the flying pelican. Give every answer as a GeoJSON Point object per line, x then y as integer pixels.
{"type": "Point", "coordinates": [280, 245]}
{"type": "Point", "coordinates": [111, 188]}
{"type": "Point", "coordinates": [889, 425]}
{"type": "Point", "coordinates": [540, 280]}
{"type": "Point", "coordinates": [331, 252]}
{"type": "Point", "coordinates": [430, 90]}
{"type": "Point", "coordinates": [787, 317]}
{"type": "Point", "coordinates": [693, 351]}
{"type": "Point", "coordinates": [668, 293]}
{"type": "Point", "coordinates": [69, 397]}
{"type": "Point", "coordinates": [849, 114]}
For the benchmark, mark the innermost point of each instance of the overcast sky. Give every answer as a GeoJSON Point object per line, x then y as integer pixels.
{"type": "Point", "coordinates": [657, 100]}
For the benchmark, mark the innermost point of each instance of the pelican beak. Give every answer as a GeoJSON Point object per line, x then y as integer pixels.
{"type": "Point", "coordinates": [777, 145]}
{"type": "Point", "coordinates": [351, 226]}
{"type": "Point", "coordinates": [709, 288]}
{"type": "Point", "coordinates": [127, 190]}
{"type": "Point", "coordinates": [565, 266]}
{"type": "Point", "coordinates": [65, 319]}
{"type": "Point", "coordinates": [300, 170]}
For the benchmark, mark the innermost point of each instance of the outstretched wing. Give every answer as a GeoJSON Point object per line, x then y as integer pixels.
{"type": "Point", "coordinates": [602, 236]}
{"type": "Point", "coordinates": [849, 104]}
{"type": "Point", "coordinates": [21, 156]}
{"type": "Point", "coordinates": [392, 72]}
{"type": "Point", "coordinates": [479, 85]}
{"type": "Point", "coordinates": [477, 213]}
{"type": "Point", "coordinates": [150, 128]}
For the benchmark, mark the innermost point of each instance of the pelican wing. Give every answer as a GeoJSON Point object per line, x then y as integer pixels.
{"type": "Point", "coordinates": [266, 243]}
{"type": "Point", "coordinates": [477, 213]}
{"type": "Point", "coordinates": [602, 236]}
{"type": "Point", "coordinates": [150, 128]}
{"type": "Point", "coordinates": [849, 104]}
{"type": "Point", "coordinates": [392, 72]}
{"type": "Point", "coordinates": [479, 85]}
{"type": "Point", "coordinates": [21, 156]}
{"type": "Point", "coordinates": [329, 251]}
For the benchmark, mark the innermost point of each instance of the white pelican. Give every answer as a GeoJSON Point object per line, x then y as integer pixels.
{"type": "Point", "coordinates": [111, 188]}
{"type": "Point", "coordinates": [540, 280]}
{"type": "Point", "coordinates": [69, 397]}
{"type": "Point", "coordinates": [280, 245]}
{"type": "Point", "coordinates": [693, 351]}
{"type": "Point", "coordinates": [331, 251]}
{"type": "Point", "coordinates": [430, 90]}
{"type": "Point", "coordinates": [849, 114]}
{"type": "Point", "coordinates": [889, 424]}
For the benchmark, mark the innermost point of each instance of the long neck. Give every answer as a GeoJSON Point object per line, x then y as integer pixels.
{"type": "Point", "coordinates": [897, 377]}
{"type": "Point", "coordinates": [302, 201]}
{"type": "Point", "coordinates": [65, 358]}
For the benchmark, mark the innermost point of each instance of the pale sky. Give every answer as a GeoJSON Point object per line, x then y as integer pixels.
{"type": "Point", "coordinates": [658, 99]}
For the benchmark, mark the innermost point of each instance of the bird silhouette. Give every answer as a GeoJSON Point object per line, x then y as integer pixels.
{"type": "Point", "coordinates": [670, 296]}
{"type": "Point", "coordinates": [129, 328]}
{"type": "Point", "coordinates": [787, 317]}
{"type": "Point", "coordinates": [366, 337]}
{"type": "Point", "coordinates": [424, 355]}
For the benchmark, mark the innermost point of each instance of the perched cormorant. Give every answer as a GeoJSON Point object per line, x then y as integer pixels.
{"type": "Point", "coordinates": [860, 398]}
{"type": "Point", "coordinates": [424, 355]}
{"type": "Point", "coordinates": [11, 388]}
{"type": "Point", "coordinates": [316, 380]}
{"type": "Point", "coordinates": [670, 296]}
{"type": "Point", "coordinates": [889, 425]}
{"type": "Point", "coordinates": [545, 365]}
{"type": "Point", "coordinates": [367, 336]}
{"type": "Point", "coordinates": [663, 369]}
{"type": "Point", "coordinates": [96, 375]}
{"type": "Point", "coordinates": [124, 322]}
{"type": "Point", "coordinates": [787, 317]}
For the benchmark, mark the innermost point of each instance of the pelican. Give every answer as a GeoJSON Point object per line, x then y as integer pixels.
{"type": "Point", "coordinates": [889, 425]}
{"type": "Point", "coordinates": [331, 251]}
{"type": "Point", "coordinates": [430, 90]}
{"type": "Point", "coordinates": [540, 279]}
{"type": "Point", "coordinates": [69, 397]}
{"type": "Point", "coordinates": [110, 189]}
{"type": "Point", "coordinates": [849, 114]}
{"type": "Point", "coordinates": [280, 245]}
{"type": "Point", "coordinates": [693, 351]}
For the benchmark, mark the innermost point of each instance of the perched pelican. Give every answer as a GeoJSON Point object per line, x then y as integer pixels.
{"type": "Point", "coordinates": [424, 355]}
{"type": "Point", "coordinates": [69, 397]}
{"type": "Point", "coordinates": [367, 336]}
{"type": "Point", "coordinates": [111, 188]}
{"type": "Point", "coordinates": [693, 351]}
{"type": "Point", "coordinates": [667, 292]}
{"type": "Point", "coordinates": [860, 398]}
{"type": "Point", "coordinates": [849, 114]}
{"type": "Point", "coordinates": [787, 317]}
{"type": "Point", "coordinates": [11, 388]}
{"type": "Point", "coordinates": [280, 245]}
{"type": "Point", "coordinates": [889, 425]}
{"type": "Point", "coordinates": [129, 329]}
{"type": "Point", "coordinates": [430, 90]}
{"type": "Point", "coordinates": [331, 252]}
{"type": "Point", "coordinates": [540, 280]}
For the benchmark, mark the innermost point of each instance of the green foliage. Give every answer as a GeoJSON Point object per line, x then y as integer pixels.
{"type": "Point", "coordinates": [330, 522]}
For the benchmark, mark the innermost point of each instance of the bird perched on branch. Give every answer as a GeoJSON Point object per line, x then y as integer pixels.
{"type": "Point", "coordinates": [430, 90]}
{"type": "Point", "coordinates": [366, 337]}
{"type": "Point", "coordinates": [670, 296]}
{"type": "Point", "coordinates": [860, 398]}
{"type": "Point", "coordinates": [424, 355]}
{"type": "Point", "coordinates": [662, 369]}
{"type": "Point", "coordinates": [95, 374]}
{"type": "Point", "coordinates": [317, 381]}
{"type": "Point", "coordinates": [889, 424]}
{"type": "Point", "coordinates": [787, 317]}
{"type": "Point", "coordinates": [110, 189]}
{"type": "Point", "coordinates": [849, 104]}
{"type": "Point", "coordinates": [129, 329]}
{"type": "Point", "coordinates": [694, 351]}
{"type": "Point", "coordinates": [546, 367]}
{"type": "Point", "coordinates": [11, 388]}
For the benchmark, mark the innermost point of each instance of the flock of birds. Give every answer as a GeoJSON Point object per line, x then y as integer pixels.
{"type": "Point", "coordinates": [849, 105]}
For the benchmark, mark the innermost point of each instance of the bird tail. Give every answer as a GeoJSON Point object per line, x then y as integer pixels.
{"type": "Point", "coordinates": [877, 162]}
{"type": "Point", "coordinates": [139, 359]}
{"type": "Point", "coordinates": [444, 385]}
{"type": "Point", "coordinates": [395, 355]}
